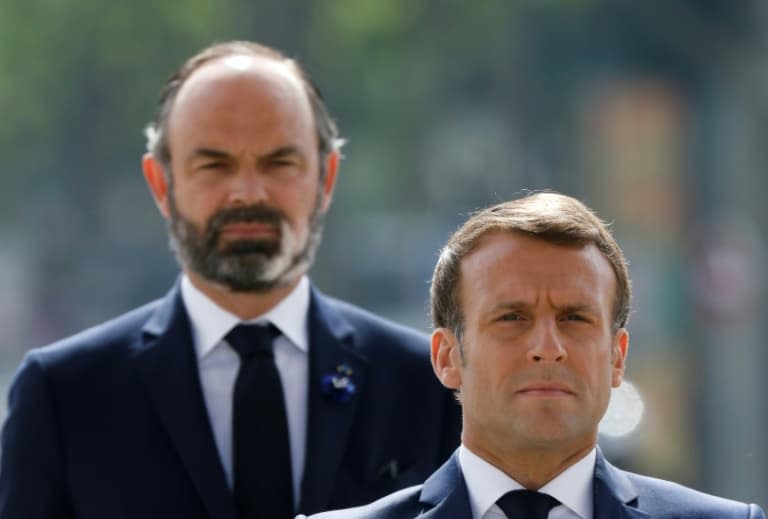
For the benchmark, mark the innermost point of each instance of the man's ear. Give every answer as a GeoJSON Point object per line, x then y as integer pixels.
{"type": "Point", "coordinates": [619, 356]}
{"type": "Point", "coordinates": [329, 182]}
{"type": "Point", "coordinates": [447, 360]}
{"type": "Point", "coordinates": [154, 174]}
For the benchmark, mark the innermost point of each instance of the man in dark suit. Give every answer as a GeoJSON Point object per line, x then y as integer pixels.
{"type": "Point", "coordinates": [530, 300]}
{"type": "Point", "coordinates": [244, 392]}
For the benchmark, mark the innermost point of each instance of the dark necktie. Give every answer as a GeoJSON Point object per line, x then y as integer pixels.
{"type": "Point", "coordinates": [526, 504]}
{"type": "Point", "coordinates": [261, 451]}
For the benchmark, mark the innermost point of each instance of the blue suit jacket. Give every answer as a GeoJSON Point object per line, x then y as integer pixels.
{"type": "Point", "coordinates": [618, 495]}
{"type": "Point", "coordinates": [111, 423]}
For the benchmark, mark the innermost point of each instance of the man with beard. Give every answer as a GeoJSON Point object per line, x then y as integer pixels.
{"type": "Point", "coordinates": [244, 392]}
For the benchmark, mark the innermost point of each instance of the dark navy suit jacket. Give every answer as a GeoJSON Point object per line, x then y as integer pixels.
{"type": "Point", "coordinates": [111, 423]}
{"type": "Point", "coordinates": [618, 495]}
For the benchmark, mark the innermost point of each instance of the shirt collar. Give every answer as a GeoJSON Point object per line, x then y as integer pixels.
{"type": "Point", "coordinates": [210, 323]}
{"type": "Point", "coordinates": [573, 486]}
{"type": "Point", "coordinates": [486, 483]}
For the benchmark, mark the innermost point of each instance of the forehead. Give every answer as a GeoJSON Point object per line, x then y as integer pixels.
{"type": "Point", "coordinates": [512, 267]}
{"type": "Point", "coordinates": [241, 95]}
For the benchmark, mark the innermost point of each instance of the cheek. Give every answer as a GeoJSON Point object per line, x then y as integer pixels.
{"type": "Point", "coordinates": [596, 369]}
{"type": "Point", "coordinates": [199, 202]}
{"type": "Point", "coordinates": [490, 373]}
{"type": "Point", "coordinates": [608, 381]}
{"type": "Point", "coordinates": [296, 198]}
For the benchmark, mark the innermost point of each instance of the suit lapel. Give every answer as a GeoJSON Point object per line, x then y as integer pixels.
{"type": "Point", "coordinates": [615, 496]}
{"type": "Point", "coordinates": [329, 421]}
{"type": "Point", "coordinates": [444, 495]}
{"type": "Point", "coordinates": [168, 368]}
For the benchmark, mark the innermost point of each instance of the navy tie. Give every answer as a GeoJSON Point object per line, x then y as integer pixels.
{"type": "Point", "coordinates": [260, 445]}
{"type": "Point", "coordinates": [526, 504]}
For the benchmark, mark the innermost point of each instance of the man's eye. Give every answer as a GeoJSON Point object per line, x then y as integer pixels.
{"type": "Point", "coordinates": [212, 165]}
{"type": "Point", "coordinates": [283, 164]}
{"type": "Point", "coordinates": [510, 317]}
{"type": "Point", "coordinates": [575, 317]}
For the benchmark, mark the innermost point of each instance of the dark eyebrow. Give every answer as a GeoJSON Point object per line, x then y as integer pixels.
{"type": "Point", "coordinates": [522, 305]}
{"type": "Point", "coordinates": [282, 152]}
{"type": "Point", "coordinates": [214, 154]}
{"type": "Point", "coordinates": [208, 153]}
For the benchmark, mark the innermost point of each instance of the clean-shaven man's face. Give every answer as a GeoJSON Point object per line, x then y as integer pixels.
{"type": "Point", "coordinates": [539, 353]}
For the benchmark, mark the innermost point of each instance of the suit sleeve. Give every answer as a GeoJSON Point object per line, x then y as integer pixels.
{"type": "Point", "coordinates": [32, 473]}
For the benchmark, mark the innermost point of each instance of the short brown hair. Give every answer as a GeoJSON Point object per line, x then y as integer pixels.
{"type": "Point", "coordinates": [548, 216]}
{"type": "Point", "coordinates": [157, 130]}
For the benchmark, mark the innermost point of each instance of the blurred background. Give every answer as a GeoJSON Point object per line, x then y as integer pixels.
{"type": "Point", "coordinates": [654, 113]}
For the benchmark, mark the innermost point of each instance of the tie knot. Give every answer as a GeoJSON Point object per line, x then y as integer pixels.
{"type": "Point", "coordinates": [249, 340]}
{"type": "Point", "coordinates": [526, 504]}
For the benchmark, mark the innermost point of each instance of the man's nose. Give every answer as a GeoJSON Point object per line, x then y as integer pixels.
{"type": "Point", "coordinates": [546, 343]}
{"type": "Point", "coordinates": [248, 187]}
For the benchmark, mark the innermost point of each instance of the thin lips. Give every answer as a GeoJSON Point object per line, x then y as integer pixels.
{"type": "Point", "coordinates": [546, 386]}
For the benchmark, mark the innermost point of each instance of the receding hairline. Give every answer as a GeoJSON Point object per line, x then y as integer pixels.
{"type": "Point", "coordinates": [264, 69]}
{"type": "Point", "coordinates": [155, 132]}
{"type": "Point", "coordinates": [241, 62]}
{"type": "Point", "coordinates": [272, 76]}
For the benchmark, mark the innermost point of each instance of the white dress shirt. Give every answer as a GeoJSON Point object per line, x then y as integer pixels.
{"type": "Point", "coordinates": [218, 365]}
{"type": "Point", "coordinates": [486, 484]}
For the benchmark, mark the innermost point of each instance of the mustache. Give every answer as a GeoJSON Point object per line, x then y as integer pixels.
{"type": "Point", "coordinates": [246, 214]}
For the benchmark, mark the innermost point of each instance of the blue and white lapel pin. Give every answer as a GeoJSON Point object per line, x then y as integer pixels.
{"type": "Point", "coordinates": [339, 386]}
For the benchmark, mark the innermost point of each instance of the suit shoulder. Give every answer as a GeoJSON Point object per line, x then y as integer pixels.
{"type": "Point", "coordinates": [374, 325]}
{"type": "Point", "coordinates": [664, 499]}
{"type": "Point", "coordinates": [403, 504]}
{"type": "Point", "coordinates": [102, 338]}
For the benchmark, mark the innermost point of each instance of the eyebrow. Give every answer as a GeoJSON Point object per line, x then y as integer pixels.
{"type": "Point", "coordinates": [281, 152]}
{"type": "Point", "coordinates": [511, 305]}
{"type": "Point", "coordinates": [212, 153]}
{"type": "Point", "coordinates": [208, 153]}
{"type": "Point", "coordinates": [580, 307]}
{"type": "Point", "coordinates": [522, 305]}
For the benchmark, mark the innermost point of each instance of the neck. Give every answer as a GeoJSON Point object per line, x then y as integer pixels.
{"type": "Point", "coordinates": [531, 467]}
{"type": "Point", "coordinates": [245, 305]}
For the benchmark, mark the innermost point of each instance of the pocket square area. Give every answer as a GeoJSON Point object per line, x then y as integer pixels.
{"type": "Point", "coordinates": [389, 470]}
